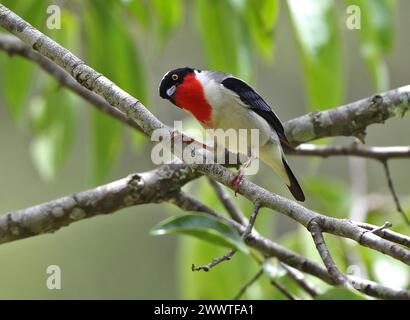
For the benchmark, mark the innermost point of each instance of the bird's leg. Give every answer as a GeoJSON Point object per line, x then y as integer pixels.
{"type": "Point", "coordinates": [239, 176]}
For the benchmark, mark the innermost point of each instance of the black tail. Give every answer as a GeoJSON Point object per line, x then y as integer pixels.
{"type": "Point", "coordinates": [294, 187]}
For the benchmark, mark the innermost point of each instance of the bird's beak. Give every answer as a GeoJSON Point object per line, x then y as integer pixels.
{"type": "Point", "coordinates": [171, 91]}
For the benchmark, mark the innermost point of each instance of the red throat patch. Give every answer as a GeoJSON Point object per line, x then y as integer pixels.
{"type": "Point", "coordinates": [190, 96]}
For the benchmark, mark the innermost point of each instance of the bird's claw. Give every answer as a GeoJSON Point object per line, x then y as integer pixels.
{"type": "Point", "coordinates": [237, 180]}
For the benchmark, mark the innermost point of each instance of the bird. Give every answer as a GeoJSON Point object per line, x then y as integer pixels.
{"type": "Point", "coordinates": [219, 100]}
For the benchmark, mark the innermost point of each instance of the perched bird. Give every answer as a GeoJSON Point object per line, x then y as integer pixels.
{"type": "Point", "coordinates": [220, 100]}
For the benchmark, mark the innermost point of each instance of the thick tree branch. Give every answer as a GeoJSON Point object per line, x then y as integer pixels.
{"type": "Point", "coordinates": [149, 187]}
{"type": "Point", "coordinates": [86, 76]}
{"type": "Point", "coordinates": [154, 186]}
{"type": "Point", "coordinates": [351, 119]}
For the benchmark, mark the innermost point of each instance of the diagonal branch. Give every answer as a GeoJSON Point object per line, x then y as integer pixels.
{"type": "Point", "coordinates": [85, 75]}
{"type": "Point", "coordinates": [154, 186]}
{"type": "Point", "coordinates": [248, 284]}
{"type": "Point", "coordinates": [393, 192]}
{"type": "Point", "coordinates": [228, 203]}
{"type": "Point", "coordinates": [299, 278]}
{"type": "Point", "coordinates": [316, 231]}
{"type": "Point", "coordinates": [283, 290]}
{"type": "Point", "coordinates": [340, 227]}
{"type": "Point", "coordinates": [272, 249]}
{"type": "Point", "coordinates": [315, 125]}
{"type": "Point", "coordinates": [215, 261]}
{"type": "Point", "coordinates": [14, 46]}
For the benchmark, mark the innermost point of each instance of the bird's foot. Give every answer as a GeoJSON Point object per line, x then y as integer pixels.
{"type": "Point", "coordinates": [237, 180]}
{"type": "Point", "coordinates": [239, 176]}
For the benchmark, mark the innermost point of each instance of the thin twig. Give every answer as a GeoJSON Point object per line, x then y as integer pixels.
{"type": "Point", "coordinates": [248, 284]}
{"type": "Point", "coordinates": [386, 234]}
{"type": "Point", "coordinates": [393, 192]}
{"type": "Point", "coordinates": [300, 280]}
{"type": "Point", "coordinates": [230, 206]}
{"type": "Point", "coordinates": [316, 232]}
{"type": "Point", "coordinates": [214, 262]}
{"type": "Point", "coordinates": [283, 290]}
{"type": "Point", "coordinates": [252, 220]}
{"type": "Point", "coordinates": [229, 255]}
{"type": "Point", "coordinates": [386, 225]}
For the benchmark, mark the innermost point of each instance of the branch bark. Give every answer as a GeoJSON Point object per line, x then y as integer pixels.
{"type": "Point", "coordinates": [339, 227]}
{"type": "Point", "coordinates": [316, 231]}
{"type": "Point", "coordinates": [351, 119]}
{"type": "Point", "coordinates": [315, 125]}
{"type": "Point", "coordinates": [14, 46]}
{"type": "Point", "coordinates": [162, 184]}
{"type": "Point", "coordinates": [360, 150]}
{"type": "Point", "coordinates": [85, 75]}
{"type": "Point", "coordinates": [150, 187]}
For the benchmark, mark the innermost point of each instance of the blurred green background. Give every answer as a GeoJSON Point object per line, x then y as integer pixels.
{"type": "Point", "coordinates": [298, 54]}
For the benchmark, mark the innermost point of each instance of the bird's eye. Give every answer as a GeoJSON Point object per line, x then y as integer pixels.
{"type": "Point", "coordinates": [175, 77]}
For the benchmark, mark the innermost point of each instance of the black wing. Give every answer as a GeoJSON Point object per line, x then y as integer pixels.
{"type": "Point", "coordinates": [257, 104]}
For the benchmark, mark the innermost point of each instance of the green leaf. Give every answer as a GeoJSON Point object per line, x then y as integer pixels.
{"type": "Point", "coordinates": [315, 24]}
{"type": "Point", "coordinates": [139, 10]}
{"type": "Point", "coordinates": [261, 17]}
{"type": "Point", "coordinates": [341, 294]}
{"type": "Point", "coordinates": [106, 144]}
{"type": "Point", "coordinates": [17, 72]}
{"type": "Point", "coordinates": [168, 14]}
{"type": "Point", "coordinates": [118, 59]}
{"type": "Point", "coordinates": [53, 115]}
{"type": "Point", "coordinates": [330, 195]}
{"type": "Point", "coordinates": [202, 227]}
{"type": "Point", "coordinates": [389, 272]}
{"type": "Point", "coordinates": [377, 33]}
{"type": "Point", "coordinates": [222, 282]}
{"type": "Point", "coordinates": [225, 37]}
{"type": "Point", "coordinates": [34, 11]}
{"type": "Point", "coordinates": [52, 118]}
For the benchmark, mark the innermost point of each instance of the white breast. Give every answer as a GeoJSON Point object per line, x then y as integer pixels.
{"type": "Point", "coordinates": [229, 112]}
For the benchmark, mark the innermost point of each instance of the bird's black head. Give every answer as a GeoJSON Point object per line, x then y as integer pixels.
{"type": "Point", "coordinates": [171, 80]}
